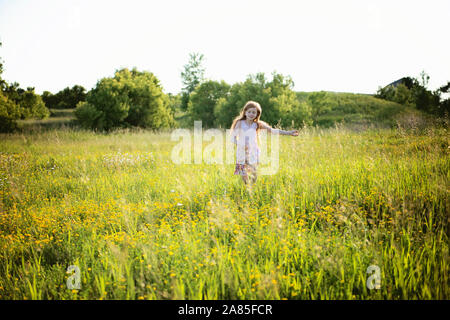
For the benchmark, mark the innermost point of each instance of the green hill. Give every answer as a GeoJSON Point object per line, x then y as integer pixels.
{"type": "Point", "coordinates": [356, 109]}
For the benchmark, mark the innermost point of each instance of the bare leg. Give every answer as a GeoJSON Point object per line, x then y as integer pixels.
{"type": "Point", "coordinates": [248, 184]}
{"type": "Point", "coordinates": [253, 175]}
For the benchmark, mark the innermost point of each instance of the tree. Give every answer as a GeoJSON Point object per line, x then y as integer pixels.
{"type": "Point", "coordinates": [8, 109]}
{"type": "Point", "coordinates": [424, 99]}
{"type": "Point", "coordinates": [227, 108]}
{"type": "Point", "coordinates": [286, 107]}
{"type": "Point", "coordinates": [174, 102]}
{"type": "Point", "coordinates": [191, 77]}
{"type": "Point", "coordinates": [17, 103]}
{"type": "Point", "coordinates": [2, 82]}
{"type": "Point", "coordinates": [444, 104]}
{"type": "Point", "coordinates": [49, 99]}
{"type": "Point", "coordinates": [69, 97]}
{"type": "Point", "coordinates": [319, 103]}
{"type": "Point", "coordinates": [66, 98]}
{"type": "Point", "coordinates": [386, 93]}
{"type": "Point", "coordinates": [445, 88]}
{"type": "Point", "coordinates": [203, 101]}
{"type": "Point", "coordinates": [253, 88]}
{"type": "Point", "coordinates": [403, 95]}
{"type": "Point", "coordinates": [278, 101]}
{"type": "Point", "coordinates": [414, 91]}
{"type": "Point", "coordinates": [9, 112]}
{"type": "Point", "coordinates": [30, 104]}
{"type": "Point", "coordinates": [130, 98]}
{"type": "Point", "coordinates": [303, 114]}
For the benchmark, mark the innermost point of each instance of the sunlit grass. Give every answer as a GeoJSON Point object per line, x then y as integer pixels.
{"type": "Point", "coordinates": [140, 227]}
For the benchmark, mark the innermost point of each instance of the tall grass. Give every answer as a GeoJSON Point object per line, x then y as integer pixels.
{"type": "Point", "coordinates": [140, 227]}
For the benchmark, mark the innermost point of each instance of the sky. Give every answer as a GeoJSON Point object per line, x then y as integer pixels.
{"type": "Point", "coordinates": [343, 46]}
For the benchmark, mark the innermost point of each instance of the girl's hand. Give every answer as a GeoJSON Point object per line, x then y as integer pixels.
{"type": "Point", "coordinates": [294, 133]}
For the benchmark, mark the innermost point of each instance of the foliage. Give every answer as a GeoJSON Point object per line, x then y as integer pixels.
{"type": "Point", "coordinates": [276, 97]}
{"type": "Point", "coordinates": [64, 99]}
{"type": "Point", "coordinates": [412, 91]}
{"type": "Point", "coordinates": [320, 103]}
{"type": "Point", "coordinates": [2, 82]}
{"type": "Point", "coordinates": [87, 115]}
{"type": "Point", "coordinates": [203, 101]}
{"type": "Point", "coordinates": [191, 77]}
{"type": "Point", "coordinates": [8, 109]}
{"type": "Point", "coordinates": [130, 98]}
{"type": "Point", "coordinates": [17, 103]}
{"type": "Point", "coordinates": [403, 95]}
{"type": "Point", "coordinates": [32, 105]}
{"type": "Point", "coordinates": [444, 105]}
{"type": "Point", "coordinates": [174, 102]}
{"type": "Point", "coordinates": [9, 112]}
{"type": "Point", "coordinates": [29, 104]}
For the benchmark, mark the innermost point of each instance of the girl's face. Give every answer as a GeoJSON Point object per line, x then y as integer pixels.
{"type": "Point", "coordinates": [251, 113]}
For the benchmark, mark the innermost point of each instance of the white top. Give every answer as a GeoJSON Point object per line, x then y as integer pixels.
{"type": "Point", "coordinates": [246, 138]}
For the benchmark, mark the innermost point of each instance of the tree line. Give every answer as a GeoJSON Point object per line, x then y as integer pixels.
{"type": "Point", "coordinates": [133, 98]}
{"type": "Point", "coordinates": [17, 103]}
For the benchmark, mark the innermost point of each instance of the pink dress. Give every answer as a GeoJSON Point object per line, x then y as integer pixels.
{"type": "Point", "coordinates": [247, 150]}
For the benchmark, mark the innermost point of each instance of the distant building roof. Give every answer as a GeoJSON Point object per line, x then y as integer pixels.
{"type": "Point", "coordinates": [407, 81]}
{"type": "Point", "coordinates": [396, 82]}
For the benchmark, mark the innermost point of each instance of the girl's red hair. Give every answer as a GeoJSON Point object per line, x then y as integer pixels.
{"type": "Point", "coordinates": [242, 116]}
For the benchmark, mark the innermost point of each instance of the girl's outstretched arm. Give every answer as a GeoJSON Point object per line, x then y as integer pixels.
{"type": "Point", "coordinates": [279, 131]}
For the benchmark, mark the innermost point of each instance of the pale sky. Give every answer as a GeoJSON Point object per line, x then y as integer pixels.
{"type": "Point", "coordinates": [346, 46]}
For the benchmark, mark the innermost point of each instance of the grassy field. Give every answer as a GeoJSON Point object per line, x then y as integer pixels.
{"type": "Point", "coordinates": [140, 227]}
{"type": "Point", "coordinates": [58, 118]}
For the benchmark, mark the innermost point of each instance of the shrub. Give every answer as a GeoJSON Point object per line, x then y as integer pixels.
{"type": "Point", "coordinates": [9, 112]}
{"type": "Point", "coordinates": [130, 98]}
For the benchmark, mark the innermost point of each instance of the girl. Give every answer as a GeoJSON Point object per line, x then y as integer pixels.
{"type": "Point", "coordinates": [245, 130]}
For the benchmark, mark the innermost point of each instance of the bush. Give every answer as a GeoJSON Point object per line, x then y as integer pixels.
{"type": "Point", "coordinates": [87, 115]}
{"type": "Point", "coordinates": [9, 112]}
{"type": "Point", "coordinates": [203, 101]}
{"type": "Point", "coordinates": [29, 104]}
{"type": "Point", "coordinates": [414, 92]}
{"type": "Point", "coordinates": [130, 98]}
{"type": "Point", "coordinates": [32, 106]}
{"type": "Point", "coordinates": [7, 124]}
{"type": "Point", "coordinates": [68, 98]}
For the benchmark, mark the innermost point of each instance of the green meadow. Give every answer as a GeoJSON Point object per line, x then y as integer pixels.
{"type": "Point", "coordinates": [350, 214]}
